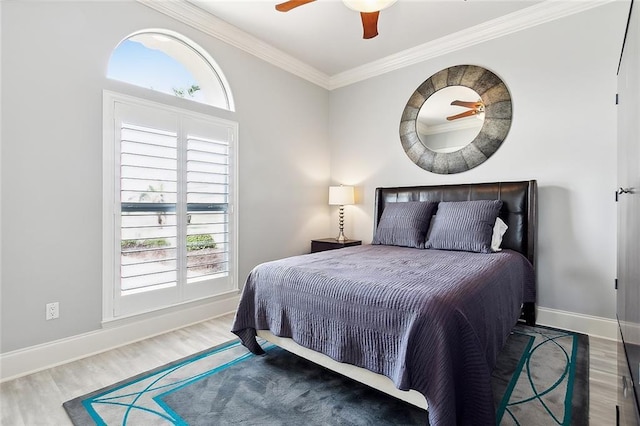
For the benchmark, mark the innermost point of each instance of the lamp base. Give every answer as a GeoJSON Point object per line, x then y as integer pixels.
{"type": "Point", "coordinates": [341, 238]}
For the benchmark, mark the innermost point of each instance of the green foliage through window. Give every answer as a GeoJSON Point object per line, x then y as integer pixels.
{"type": "Point", "coordinates": [180, 92]}
{"type": "Point", "coordinates": [199, 242]}
{"type": "Point", "coordinates": [143, 244]}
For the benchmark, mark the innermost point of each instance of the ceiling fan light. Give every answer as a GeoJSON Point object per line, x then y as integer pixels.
{"type": "Point", "coordinates": [368, 6]}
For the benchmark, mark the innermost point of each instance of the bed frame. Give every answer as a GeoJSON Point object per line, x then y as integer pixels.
{"type": "Point", "coordinates": [519, 211]}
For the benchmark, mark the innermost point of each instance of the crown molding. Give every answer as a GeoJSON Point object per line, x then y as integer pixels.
{"type": "Point", "coordinates": [532, 16]}
{"type": "Point", "coordinates": [547, 11]}
{"type": "Point", "coordinates": [201, 20]}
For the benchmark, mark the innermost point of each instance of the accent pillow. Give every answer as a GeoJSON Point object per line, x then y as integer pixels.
{"type": "Point", "coordinates": [498, 232]}
{"type": "Point", "coordinates": [464, 225]}
{"type": "Point", "coordinates": [404, 224]}
{"type": "Point", "coordinates": [430, 227]}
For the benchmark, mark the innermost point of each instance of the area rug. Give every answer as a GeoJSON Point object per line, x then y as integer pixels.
{"type": "Point", "coordinates": [541, 378]}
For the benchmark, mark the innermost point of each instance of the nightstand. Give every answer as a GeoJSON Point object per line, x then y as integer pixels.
{"type": "Point", "coordinates": [331, 244]}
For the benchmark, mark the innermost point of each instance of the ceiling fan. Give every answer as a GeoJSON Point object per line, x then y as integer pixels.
{"type": "Point", "coordinates": [369, 11]}
{"type": "Point", "coordinates": [475, 108]}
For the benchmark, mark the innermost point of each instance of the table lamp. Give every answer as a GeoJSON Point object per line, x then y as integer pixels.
{"type": "Point", "coordinates": [341, 196]}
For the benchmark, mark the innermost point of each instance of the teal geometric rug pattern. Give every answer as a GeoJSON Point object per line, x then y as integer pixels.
{"type": "Point", "coordinates": [541, 378]}
{"type": "Point", "coordinates": [138, 400]}
{"type": "Point", "coordinates": [550, 384]}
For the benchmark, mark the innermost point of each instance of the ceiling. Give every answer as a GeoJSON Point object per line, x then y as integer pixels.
{"type": "Point", "coordinates": [322, 41]}
{"type": "Point", "coordinates": [328, 36]}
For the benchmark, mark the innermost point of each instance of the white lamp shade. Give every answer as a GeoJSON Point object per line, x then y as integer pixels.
{"type": "Point", "coordinates": [368, 6]}
{"type": "Point", "coordinates": [341, 195]}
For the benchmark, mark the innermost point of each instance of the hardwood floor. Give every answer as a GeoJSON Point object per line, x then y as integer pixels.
{"type": "Point", "coordinates": [37, 399]}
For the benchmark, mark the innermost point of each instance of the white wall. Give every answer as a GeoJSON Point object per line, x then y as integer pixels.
{"type": "Point", "coordinates": [54, 60]}
{"type": "Point", "coordinates": [562, 79]}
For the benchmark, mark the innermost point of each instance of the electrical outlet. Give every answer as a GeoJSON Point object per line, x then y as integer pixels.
{"type": "Point", "coordinates": [53, 310]}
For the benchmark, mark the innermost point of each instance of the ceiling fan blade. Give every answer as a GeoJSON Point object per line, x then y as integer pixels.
{"type": "Point", "coordinates": [467, 104]}
{"type": "Point", "coordinates": [463, 114]}
{"type": "Point", "coordinates": [291, 4]}
{"type": "Point", "coordinates": [369, 24]}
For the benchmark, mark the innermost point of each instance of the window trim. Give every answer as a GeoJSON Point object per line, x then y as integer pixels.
{"type": "Point", "coordinates": [110, 232]}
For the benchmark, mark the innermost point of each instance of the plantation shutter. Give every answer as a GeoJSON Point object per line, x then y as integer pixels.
{"type": "Point", "coordinates": [149, 179]}
{"type": "Point", "coordinates": [208, 173]}
{"type": "Point", "coordinates": [173, 196]}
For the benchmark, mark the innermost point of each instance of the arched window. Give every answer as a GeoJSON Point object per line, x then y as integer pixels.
{"type": "Point", "coordinates": [168, 62]}
{"type": "Point", "coordinates": [170, 227]}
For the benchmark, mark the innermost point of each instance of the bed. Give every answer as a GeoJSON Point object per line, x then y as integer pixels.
{"type": "Point", "coordinates": [423, 323]}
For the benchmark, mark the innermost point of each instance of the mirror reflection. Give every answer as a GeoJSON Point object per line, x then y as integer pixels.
{"type": "Point", "coordinates": [450, 119]}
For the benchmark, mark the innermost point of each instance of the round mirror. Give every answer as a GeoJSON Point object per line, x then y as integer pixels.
{"type": "Point", "coordinates": [456, 119]}
{"type": "Point", "coordinates": [450, 119]}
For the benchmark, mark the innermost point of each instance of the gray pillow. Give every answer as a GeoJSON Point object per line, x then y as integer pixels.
{"type": "Point", "coordinates": [464, 226]}
{"type": "Point", "coordinates": [404, 224]}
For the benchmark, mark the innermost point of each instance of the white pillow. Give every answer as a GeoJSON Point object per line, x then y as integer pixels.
{"type": "Point", "coordinates": [499, 228]}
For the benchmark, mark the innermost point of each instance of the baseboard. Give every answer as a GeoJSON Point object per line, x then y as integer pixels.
{"type": "Point", "coordinates": [606, 328]}
{"type": "Point", "coordinates": [41, 357]}
{"type": "Point", "coordinates": [631, 333]}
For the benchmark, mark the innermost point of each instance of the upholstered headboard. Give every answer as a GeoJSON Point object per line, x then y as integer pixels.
{"type": "Point", "coordinates": [519, 208]}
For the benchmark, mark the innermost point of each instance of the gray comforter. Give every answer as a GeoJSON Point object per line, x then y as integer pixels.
{"type": "Point", "coordinates": [430, 320]}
